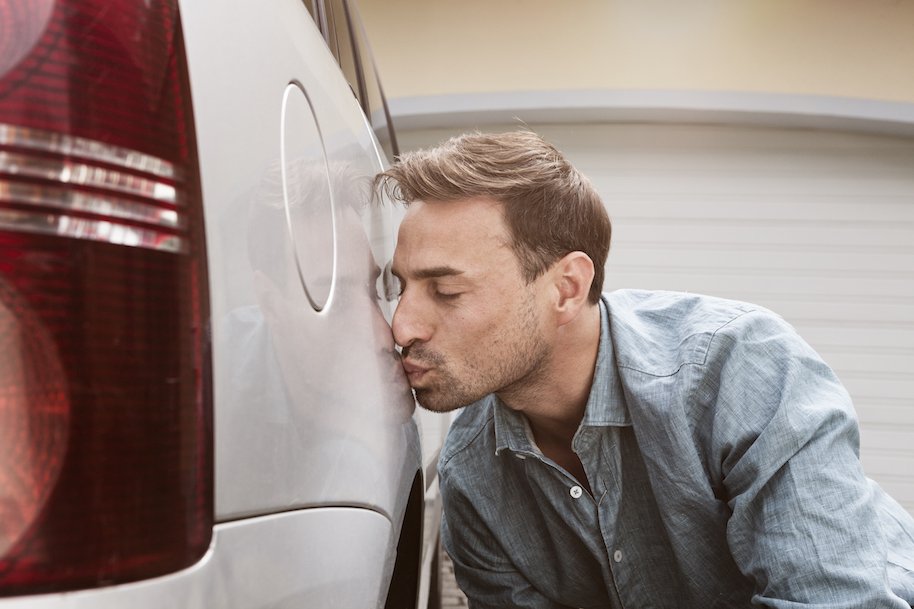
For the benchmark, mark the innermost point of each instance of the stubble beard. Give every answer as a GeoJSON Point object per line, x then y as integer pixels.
{"type": "Point", "coordinates": [509, 363]}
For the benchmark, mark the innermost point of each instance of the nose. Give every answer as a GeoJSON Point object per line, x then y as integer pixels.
{"type": "Point", "coordinates": [409, 324]}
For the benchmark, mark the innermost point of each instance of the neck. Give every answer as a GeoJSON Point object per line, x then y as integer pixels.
{"type": "Point", "coordinates": [554, 397]}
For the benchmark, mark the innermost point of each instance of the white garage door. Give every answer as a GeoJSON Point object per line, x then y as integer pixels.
{"type": "Point", "coordinates": [818, 226]}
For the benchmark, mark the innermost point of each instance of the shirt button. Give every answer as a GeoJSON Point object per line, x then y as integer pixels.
{"type": "Point", "coordinates": [576, 491]}
{"type": "Point", "coordinates": [617, 556]}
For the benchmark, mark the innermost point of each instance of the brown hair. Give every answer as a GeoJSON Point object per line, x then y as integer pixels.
{"type": "Point", "coordinates": [550, 208]}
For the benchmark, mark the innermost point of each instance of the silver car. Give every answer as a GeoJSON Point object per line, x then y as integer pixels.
{"type": "Point", "coordinates": [201, 404]}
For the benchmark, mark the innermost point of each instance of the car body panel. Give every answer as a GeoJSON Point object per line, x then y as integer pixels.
{"type": "Point", "coordinates": [311, 407]}
{"type": "Point", "coordinates": [260, 562]}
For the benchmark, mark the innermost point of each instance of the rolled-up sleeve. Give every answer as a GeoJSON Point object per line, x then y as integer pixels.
{"type": "Point", "coordinates": [804, 525]}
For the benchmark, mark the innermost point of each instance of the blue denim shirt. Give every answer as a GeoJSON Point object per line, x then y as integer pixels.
{"type": "Point", "coordinates": [722, 454]}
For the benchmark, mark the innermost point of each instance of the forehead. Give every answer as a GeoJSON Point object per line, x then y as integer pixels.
{"type": "Point", "coordinates": [461, 234]}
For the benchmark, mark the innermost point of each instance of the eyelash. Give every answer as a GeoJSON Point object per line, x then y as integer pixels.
{"type": "Point", "coordinates": [400, 288]}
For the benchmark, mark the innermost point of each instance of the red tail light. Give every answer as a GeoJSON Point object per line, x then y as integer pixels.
{"type": "Point", "coordinates": [105, 419]}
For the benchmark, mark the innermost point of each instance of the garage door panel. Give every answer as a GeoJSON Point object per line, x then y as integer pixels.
{"type": "Point", "coordinates": [839, 311]}
{"type": "Point", "coordinates": [882, 236]}
{"type": "Point", "coordinates": [731, 284]}
{"type": "Point", "coordinates": [882, 463]}
{"type": "Point", "coordinates": [885, 412]}
{"type": "Point", "coordinates": [782, 261]}
{"type": "Point", "coordinates": [782, 180]}
{"type": "Point", "coordinates": [754, 206]}
{"type": "Point", "coordinates": [895, 441]}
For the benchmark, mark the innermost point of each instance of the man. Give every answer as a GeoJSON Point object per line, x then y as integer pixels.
{"type": "Point", "coordinates": [634, 449]}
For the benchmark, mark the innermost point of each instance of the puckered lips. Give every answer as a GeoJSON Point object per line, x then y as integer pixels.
{"type": "Point", "coordinates": [414, 371]}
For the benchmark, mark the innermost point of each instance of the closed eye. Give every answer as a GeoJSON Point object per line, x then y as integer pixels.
{"type": "Point", "coordinates": [447, 295]}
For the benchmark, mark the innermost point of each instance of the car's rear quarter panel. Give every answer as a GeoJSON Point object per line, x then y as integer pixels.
{"type": "Point", "coordinates": [311, 408]}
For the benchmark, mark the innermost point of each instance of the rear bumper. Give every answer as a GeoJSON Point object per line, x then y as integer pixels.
{"type": "Point", "coordinates": [320, 557]}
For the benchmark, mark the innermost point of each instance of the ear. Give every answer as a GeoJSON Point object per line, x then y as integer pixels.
{"type": "Point", "coordinates": [572, 276]}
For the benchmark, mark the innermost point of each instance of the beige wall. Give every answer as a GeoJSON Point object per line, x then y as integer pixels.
{"type": "Point", "coordinates": [846, 48]}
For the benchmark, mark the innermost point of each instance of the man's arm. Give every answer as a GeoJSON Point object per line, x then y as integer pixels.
{"type": "Point", "coordinates": [805, 525]}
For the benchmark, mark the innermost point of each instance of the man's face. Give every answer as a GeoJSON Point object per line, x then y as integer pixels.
{"type": "Point", "coordinates": [468, 323]}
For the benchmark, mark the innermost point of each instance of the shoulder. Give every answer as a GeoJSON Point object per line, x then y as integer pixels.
{"type": "Point", "coordinates": [657, 333]}
{"type": "Point", "coordinates": [470, 434]}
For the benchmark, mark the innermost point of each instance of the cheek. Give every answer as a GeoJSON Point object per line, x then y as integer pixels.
{"type": "Point", "coordinates": [479, 325]}
{"type": "Point", "coordinates": [462, 330]}
{"type": "Point", "coordinates": [464, 324]}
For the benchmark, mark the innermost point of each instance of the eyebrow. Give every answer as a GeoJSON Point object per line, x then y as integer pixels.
{"type": "Point", "coordinates": [431, 272]}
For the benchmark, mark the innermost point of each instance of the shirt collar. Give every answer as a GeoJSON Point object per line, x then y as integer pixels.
{"type": "Point", "coordinates": [512, 431]}
{"type": "Point", "coordinates": [605, 404]}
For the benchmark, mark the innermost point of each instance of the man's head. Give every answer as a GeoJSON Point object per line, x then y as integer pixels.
{"type": "Point", "coordinates": [503, 244]}
{"type": "Point", "coordinates": [550, 208]}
